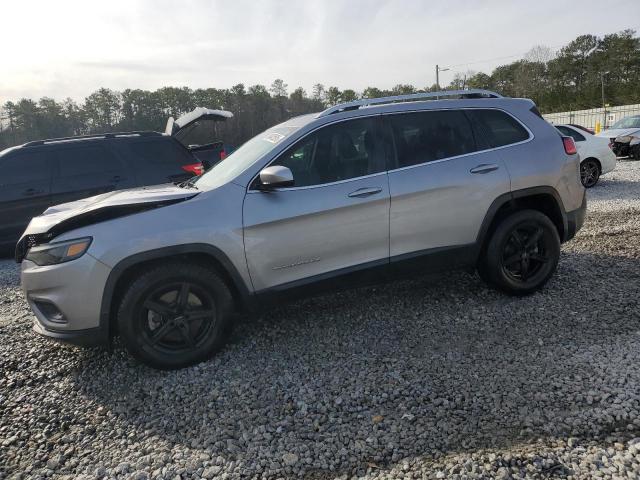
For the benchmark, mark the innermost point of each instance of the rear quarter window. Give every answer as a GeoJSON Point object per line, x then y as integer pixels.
{"type": "Point", "coordinates": [569, 132]}
{"type": "Point", "coordinates": [499, 127]}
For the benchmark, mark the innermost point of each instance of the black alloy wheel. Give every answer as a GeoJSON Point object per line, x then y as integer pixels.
{"type": "Point", "coordinates": [521, 254]}
{"type": "Point", "coordinates": [524, 254]}
{"type": "Point", "coordinates": [589, 173]}
{"type": "Point", "coordinates": [175, 315]}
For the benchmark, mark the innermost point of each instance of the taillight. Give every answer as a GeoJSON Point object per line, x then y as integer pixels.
{"type": "Point", "coordinates": [569, 146]}
{"type": "Point", "coordinates": [195, 168]}
{"type": "Point", "coordinates": [223, 154]}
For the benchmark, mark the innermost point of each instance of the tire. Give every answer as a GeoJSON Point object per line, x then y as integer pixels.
{"type": "Point", "coordinates": [174, 315]}
{"type": "Point", "coordinates": [522, 253]}
{"type": "Point", "coordinates": [589, 172]}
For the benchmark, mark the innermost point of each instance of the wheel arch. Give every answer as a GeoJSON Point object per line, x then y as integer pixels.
{"type": "Point", "coordinates": [596, 159]}
{"type": "Point", "coordinates": [200, 254]}
{"type": "Point", "coordinates": [543, 199]}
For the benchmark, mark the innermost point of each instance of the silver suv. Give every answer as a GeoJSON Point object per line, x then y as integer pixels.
{"type": "Point", "coordinates": [362, 190]}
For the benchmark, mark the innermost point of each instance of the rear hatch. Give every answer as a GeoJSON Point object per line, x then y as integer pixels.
{"type": "Point", "coordinates": [198, 131]}
{"type": "Point", "coordinates": [184, 126]}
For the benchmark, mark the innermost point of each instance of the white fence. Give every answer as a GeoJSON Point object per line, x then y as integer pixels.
{"type": "Point", "coordinates": [589, 118]}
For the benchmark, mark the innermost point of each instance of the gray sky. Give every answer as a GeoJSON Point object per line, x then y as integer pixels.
{"type": "Point", "coordinates": [69, 48]}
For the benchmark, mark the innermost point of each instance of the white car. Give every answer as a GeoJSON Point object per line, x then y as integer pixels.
{"type": "Point", "coordinates": [596, 156]}
{"type": "Point", "coordinates": [625, 137]}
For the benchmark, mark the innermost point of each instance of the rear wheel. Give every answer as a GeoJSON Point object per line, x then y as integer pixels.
{"type": "Point", "coordinates": [174, 315]}
{"type": "Point", "coordinates": [589, 172]}
{"type": "Point", "coordinates": [522, 253]}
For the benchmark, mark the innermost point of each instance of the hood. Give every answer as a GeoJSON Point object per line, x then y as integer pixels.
{"type": "Point", "coordinates": [184, 122]}
{"type": "Point", "coordinates": [68, 216]}
{"type": "Point", "coordinates": [616, 132]}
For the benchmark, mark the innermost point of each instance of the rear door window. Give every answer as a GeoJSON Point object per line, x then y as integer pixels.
{"type": "Point", "coordinates": [422, 137]}
{"type": "Point", "coordinates": [160, 152]}
{"type": "Point", "coordinates": [89, 164]}
{"type": "Point", "coordinates": [88, 169]}
{"type": "Point", "coordinates": [500, 128]}
{"type": "Point", "coordinates": [87, 161]}
{"type": "Point", "coordinates": [25, 167]}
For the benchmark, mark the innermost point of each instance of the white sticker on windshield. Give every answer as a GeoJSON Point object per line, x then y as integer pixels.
{"type": "Point", "coordinates": [274, 137]}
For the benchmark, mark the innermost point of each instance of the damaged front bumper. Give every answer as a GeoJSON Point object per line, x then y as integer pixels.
{"type": "Point", "coordinates": [66, 299]}
{"type": "Point", "coordinates": [626, 149]}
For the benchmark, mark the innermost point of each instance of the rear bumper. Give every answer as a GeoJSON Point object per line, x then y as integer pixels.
{"type": "Point", "coordinates": [575, 219]}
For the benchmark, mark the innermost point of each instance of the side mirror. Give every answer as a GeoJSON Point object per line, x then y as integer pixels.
{"type": "Point", "coordinates": [275, 176]}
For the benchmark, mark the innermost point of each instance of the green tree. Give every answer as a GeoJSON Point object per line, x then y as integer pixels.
{"type": "Point", "coordinates": [333, 96]}
{"type": "Point", "coordinates": [279, 88]}
{"type": "Point", "coordinates": [318, 92]}
{"type": "Point", "coordinates": [102, 110]}
{"type": "Point", "coordinates": [403, 89]}
{"type": "Point", "coordinates": [348, 95]}
{"type": "Point", "coordinates": [372, 92]}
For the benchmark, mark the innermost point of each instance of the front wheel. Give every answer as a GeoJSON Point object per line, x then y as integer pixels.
{"type": "Point", "coordinates": [174, 315]}
{"type": "Point", "coordinates": [522, 253]}
{"type": "Point", "coordinates": [589, 173]}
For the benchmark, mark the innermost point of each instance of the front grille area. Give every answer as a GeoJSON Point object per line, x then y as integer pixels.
{"type": "Point", "coordinates": [620, 149]}
{"type": "Point", "coordinates": [29, 241]}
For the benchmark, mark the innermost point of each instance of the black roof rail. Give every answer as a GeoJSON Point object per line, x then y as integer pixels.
{"type": "Point", "coordinates": [96, 136]}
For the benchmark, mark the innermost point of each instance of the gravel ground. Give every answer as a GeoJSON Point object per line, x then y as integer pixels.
{"type": "Point", "coordinates": [417, 379]}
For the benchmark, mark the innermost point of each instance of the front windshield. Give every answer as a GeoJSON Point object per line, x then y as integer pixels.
{"type": "Point", "coordinates": [242, 158]}
{"type": "Point", "coordinates": [629, 122]}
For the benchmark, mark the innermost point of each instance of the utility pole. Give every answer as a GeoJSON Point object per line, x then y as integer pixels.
{"type": "Point", "coordinates": [438, 70]}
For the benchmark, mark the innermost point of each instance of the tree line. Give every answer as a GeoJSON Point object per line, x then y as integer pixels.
{"type": "Point", "coordinates": [569, 79]}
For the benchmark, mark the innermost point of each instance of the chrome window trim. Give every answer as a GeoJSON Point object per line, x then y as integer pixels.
{"type": "Point", "coordinates": [320, 185]}
{"type": "Point", "coordinates": [440, 160]}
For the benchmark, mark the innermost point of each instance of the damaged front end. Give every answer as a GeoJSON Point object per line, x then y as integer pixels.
{"type": "Point", "coordinates": [626, 146]}
{"type": "Point", "coordinates": [63, 218]}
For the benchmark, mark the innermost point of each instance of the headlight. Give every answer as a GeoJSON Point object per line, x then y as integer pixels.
{"type": "Point", "coordinates": [53, 253]}
{"type": "Point", "coordinates": [623, 139]}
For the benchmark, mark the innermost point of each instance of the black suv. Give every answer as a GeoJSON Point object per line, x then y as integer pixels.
{"type": "Point", "coordinates": [42, 173]}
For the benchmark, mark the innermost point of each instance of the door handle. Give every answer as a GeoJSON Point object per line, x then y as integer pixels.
{"type": "Point", "coordinates": [484, 168]}
{"type": "Point", "coordinates": [365, 192]}
{"type": "Point", "coordinates": [32, 191]}
{"type": "Point", "coordinates": [116, 178]}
